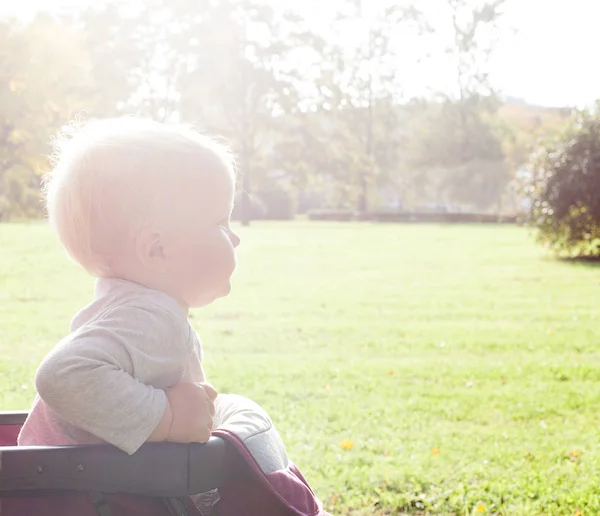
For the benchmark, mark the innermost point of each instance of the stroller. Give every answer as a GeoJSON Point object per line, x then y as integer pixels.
{"type": "Point", "coordinates": [244, 462]}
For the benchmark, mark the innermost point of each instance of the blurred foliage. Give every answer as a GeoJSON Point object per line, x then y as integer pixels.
{"type": "Point", "coordinates": [319, 113]}
{"type": "Point", "coordinates": [38, 93]}
{"type": "Point", "coordinates": [279, 203]}
{"type": "Point", "coordinates": [257, 208]}
{"type": "Point", "coordinates": [563, 185]}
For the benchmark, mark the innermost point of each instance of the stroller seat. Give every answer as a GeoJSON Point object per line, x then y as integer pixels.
{"type": "Point", "coordinates": [244, 468]}
{"type": "Point", "coordinates": [158, 470]}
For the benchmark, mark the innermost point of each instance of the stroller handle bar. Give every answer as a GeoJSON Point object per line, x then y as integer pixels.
{"type": "Point", "coordinates": [156, 469]}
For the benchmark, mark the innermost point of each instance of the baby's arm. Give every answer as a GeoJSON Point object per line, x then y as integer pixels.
{"type": "Point", "coordinates": [85, 382]}
{"type": "Point", "coordinates": [89, 381]}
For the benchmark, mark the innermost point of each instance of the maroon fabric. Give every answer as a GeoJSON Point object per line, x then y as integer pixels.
{"type": "Point", "coordinates": [282, 493]}
{"type": "Point", "coordinates": [73, 503]}
{"type": "Point", "coordinates": [9, 434]}
{"type": "Point", "coordinates": [291, 485]}
{"type": "Point", "coordinates": [128, 505]}
{"type": "Point", "coordinates": [69, 503]}
{"type": "Point", "coordinates": [63, 504]}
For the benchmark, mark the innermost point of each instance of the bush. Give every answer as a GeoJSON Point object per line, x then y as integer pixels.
{"type": "Point", "coordinates": [332, 215]}
{"type": "Point", "coordinates": [257, 208]}
{"type": "Point", "coordinates": [563, 185]}
{"type": "Point", "coordinates": [405, 217]}
{"type": "Point", "coordinates": [441, 218]}
{"type": "Point", "coordinates": [278, 203]}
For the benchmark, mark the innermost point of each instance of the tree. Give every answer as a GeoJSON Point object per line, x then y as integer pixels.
{"type": "Point", "coordinates": [372, 93]}
{"type": "Point", "coordinates": [461, 143]}
{"type": "Point", "coordinates": [40, 94]}
{"type": "Point", "coordinates": [135, 62]}
{"type": "Point", "coordinates": [236, 82]}
{"type": "Point", "coordinates": [563, 185]}
{"type": "Point", "coordinates": [524, 125]}
{"type": "Point", "coordinates": [461, 158]}
{"type": "Point", "coordinates": [218, 65]}
{"type": "Point", "coordinates": [351, 131]}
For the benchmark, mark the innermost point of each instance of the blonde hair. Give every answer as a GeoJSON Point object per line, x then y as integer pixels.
{"type": "Point", "coordinates": [110, 176]}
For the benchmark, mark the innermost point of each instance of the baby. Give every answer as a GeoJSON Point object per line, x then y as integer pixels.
{"type": "Point", "coordinates": [145, 208]}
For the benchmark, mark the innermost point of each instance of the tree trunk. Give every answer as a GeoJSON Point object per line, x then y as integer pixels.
{"type": "Point", "coordinates": [246, 200]}
{"type": "Point", "coordinates": [363, 195]}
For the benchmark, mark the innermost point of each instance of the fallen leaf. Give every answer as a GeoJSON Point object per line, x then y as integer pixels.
{"type": "Point", "coordinates": [347, 444]}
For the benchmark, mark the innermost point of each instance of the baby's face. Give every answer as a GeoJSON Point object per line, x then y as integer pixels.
{"type": "Point", "coordinates": [200, 255]}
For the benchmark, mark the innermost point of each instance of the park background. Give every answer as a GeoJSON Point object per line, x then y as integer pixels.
{"type": "Point", "coordinates": [393, 309]}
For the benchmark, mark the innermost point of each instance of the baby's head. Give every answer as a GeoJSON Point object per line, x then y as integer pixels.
{"type": "Point", "coordinates": [146, 202]}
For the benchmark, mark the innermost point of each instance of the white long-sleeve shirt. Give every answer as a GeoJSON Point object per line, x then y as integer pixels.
{"type": "Point", "coordinates": [105, 381]}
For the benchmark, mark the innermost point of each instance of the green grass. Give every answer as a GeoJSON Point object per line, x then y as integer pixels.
{"type": "Point", "coordinates": [404, 339]}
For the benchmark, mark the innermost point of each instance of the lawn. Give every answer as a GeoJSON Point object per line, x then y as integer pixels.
{"type": "Point", "coordinates": [410, 369]}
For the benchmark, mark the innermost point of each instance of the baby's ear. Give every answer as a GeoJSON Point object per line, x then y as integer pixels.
{"type": "Point", "coordinates": [150, 251]}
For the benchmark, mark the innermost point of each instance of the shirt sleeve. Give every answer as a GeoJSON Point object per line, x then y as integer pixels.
{"type": "Point", "coordinates": [108, 378]}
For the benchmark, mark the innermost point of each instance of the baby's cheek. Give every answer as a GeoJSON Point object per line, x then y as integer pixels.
{"type": "Point", "coordinates": [206, 265]}
{"type": "Point", "coordinates": [212, 261]}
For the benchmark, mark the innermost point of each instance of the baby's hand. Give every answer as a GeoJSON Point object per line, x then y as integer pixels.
{"type": "Point", "coordinates": [192, 408]}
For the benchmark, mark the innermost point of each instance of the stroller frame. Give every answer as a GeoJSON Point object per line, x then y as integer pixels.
{"type": "Point", "coordinates": [155, 470]}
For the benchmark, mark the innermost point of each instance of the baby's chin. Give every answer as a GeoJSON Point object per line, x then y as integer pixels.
{"type": "Point", "coordinates": [226, 289]}
{"type": "Point", "coordinates": [207, 300]}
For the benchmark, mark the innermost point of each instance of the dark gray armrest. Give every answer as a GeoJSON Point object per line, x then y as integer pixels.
{"type": "Point", "coordinates": [157, 469]}
{"type": "Point", "coordinates": [13, 418]}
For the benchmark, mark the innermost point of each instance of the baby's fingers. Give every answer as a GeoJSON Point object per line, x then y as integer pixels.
{"type": "Point", "coordinates": [210, 391]}
{"type": "Point", "coordinates": [203, 435]}
{"type": "Point", "coordinates": [211, 408]}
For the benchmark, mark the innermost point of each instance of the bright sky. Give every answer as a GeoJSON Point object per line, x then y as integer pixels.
{"type": "Point", "coordinates": [552, 60]}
